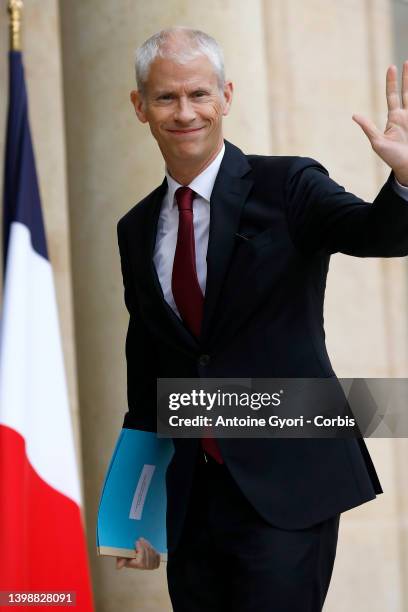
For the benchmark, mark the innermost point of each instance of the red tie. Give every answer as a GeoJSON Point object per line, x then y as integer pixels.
{"type": "Point", "coordinates": [185, 286]}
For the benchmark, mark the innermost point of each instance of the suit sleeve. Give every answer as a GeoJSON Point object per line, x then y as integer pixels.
{"type": "Point", "coordinates": [323, 217]}
{"type": "Point", "coordinates": [140, 354]}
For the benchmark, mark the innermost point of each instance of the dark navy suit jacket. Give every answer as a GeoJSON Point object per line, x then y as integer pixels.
{"type": "Point", "coordinates": [263, 317]}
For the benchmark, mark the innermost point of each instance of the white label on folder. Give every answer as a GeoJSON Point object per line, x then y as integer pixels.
{"type": "Point", "coordinates": [142, 488]}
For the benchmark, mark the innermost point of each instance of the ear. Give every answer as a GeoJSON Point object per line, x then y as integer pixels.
{"type": "Point", "coordinates": [138, 103]}
{"type": "Point", "coordinates": [228, 92]}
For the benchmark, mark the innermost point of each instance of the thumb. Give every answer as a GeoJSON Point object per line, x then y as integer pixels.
{"type": "Point", "coordinates": [368, 127]}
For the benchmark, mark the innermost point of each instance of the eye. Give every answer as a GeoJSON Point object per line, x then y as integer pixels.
{"type": "Point", "coordinates": [165, 97]}
{"type": "Point", "coordinates": [199, 94]}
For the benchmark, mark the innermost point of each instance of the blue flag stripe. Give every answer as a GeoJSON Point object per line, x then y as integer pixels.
{"type": "Point", "coordinates": [21, 193]}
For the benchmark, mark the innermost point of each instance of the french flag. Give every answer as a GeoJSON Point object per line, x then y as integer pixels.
{"type": "Point", "coordinates": [42, 538]}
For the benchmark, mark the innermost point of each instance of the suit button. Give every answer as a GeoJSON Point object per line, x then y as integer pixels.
{"type": "Point", "coordinates": [204, 360]}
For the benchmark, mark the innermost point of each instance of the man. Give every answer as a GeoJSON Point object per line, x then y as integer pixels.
{"type": "Point", "coordinates": [224, 269]}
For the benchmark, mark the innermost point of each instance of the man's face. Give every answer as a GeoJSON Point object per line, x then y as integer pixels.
{"type": "Point", "coordinates": [184, 108]}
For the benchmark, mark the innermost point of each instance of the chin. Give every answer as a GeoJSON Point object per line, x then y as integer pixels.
{"type": "Point", "coordinates": [188, 149]}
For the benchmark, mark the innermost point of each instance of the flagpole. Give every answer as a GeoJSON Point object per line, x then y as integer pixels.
{"type": "Point", "coordinates": [15, 8]}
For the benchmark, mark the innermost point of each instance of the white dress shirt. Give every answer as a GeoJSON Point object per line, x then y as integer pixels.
{"type": "Point", "coordinates": [167, 228]}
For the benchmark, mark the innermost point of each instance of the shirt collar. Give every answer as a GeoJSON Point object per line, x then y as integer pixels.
{"type": "Point", "coordinates": [202, 184]}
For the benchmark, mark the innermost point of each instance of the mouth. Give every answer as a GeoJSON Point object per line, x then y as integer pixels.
{"type": "Point", "coordinates": [188, 131]}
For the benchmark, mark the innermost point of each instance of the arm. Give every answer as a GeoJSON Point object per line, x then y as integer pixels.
{"type": "Point", "coordinates": [141, 389]}
{"type": "Point", "coordinates": [323, 217]}
{"type": "Point", "coordinates": [140, 353]}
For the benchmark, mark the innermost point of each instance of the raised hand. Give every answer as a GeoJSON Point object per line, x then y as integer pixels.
{"type": "Point", "coordinates": [392, 145]}
{"type": "Point", "coordinates": [146, 558]}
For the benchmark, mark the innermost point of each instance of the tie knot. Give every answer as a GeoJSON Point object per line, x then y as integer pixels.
{"type": "Point", "coordinates": [184, 198]}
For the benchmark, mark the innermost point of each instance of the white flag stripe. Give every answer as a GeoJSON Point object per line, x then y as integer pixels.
{"type": "Point", "coordinates": [33, 390]}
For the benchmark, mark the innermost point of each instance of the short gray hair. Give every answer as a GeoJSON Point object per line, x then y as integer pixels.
{"type": "Point", "coordinates": [197, 43]}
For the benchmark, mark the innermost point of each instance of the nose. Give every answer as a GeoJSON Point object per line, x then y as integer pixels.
{"type": "Point", "coordinates": [184, 112]}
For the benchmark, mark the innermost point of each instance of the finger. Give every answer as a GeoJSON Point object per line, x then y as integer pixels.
{"type": "Point", "coordinates": [404, 86]}
{"type": "Point", "coordinates": [120, 562]}
{"type": "Point", "coordinates": [153, 555]}
{"type": "Point", "coordinates": [368, 127]}
{"type": "Point", "coordinates": [157, 560]}
{"type": "Point", "coordinates": [147, 557]}
{"type": "Point", "coordinates": [137, 562]}
{"type": "Point", "coordinates": [125, 561]}
{"type": "Point", "coordinates": [391, 87]}
{"type": "Point", "coordinates": [147, 562]}
{"type": "Point", "coordinates": [143, 561]}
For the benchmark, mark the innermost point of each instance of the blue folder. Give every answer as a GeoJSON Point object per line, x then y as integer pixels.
{"type": "Point", "coordinates": [133, 498]}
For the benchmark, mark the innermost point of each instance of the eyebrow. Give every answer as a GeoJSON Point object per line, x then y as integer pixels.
{"type": "Point", "coordinates": [166, 92]}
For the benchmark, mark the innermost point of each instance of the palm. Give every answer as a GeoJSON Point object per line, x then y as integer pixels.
{"type": "Point", "coordinates": [392, 144]}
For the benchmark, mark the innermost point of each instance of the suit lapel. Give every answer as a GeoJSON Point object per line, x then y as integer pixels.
{"type": "Point", "coordinates": [227, 199]}
{"type": "Point", "coordinates": [166, 314]}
